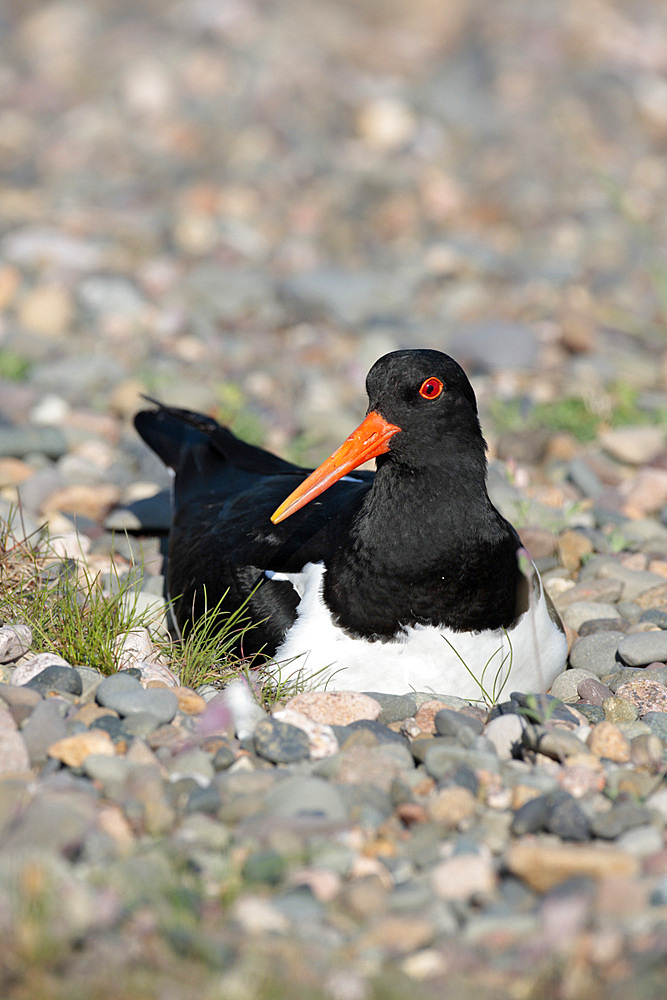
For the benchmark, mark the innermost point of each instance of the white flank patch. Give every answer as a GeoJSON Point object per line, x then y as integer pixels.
{"type": "Point", "coordinates": [423, 658]}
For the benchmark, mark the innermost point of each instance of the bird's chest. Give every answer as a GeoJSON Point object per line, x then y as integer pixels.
{"type": "Point", "coordinates": [376, 595]}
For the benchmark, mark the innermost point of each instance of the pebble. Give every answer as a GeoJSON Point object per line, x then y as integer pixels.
{"type": "Point", "coordinates": [335, 707]}
{"type": "Point", "coordinates": [57, 678]}
{"type": "Point", "coordinates": [279, 742]}
{"type": "Point", "coordinates": [322, 741]}
{"type": "Point", "coordinates": [596, 653]}
{"type": "Point", "coordinates": [593, 691]}
{"type": "Point", "coordinates": [452, 806]}
{"type": "Point", "coordinates": [13, 751]}
{"type": "Point", "coordinates": [647, 695]}
{"type": "Point", "coordinates": [464, 877]}
{"type": "Point", "coordinates": [642, 648]}
{"type": "Point", "coordinates": [125, 695]}
{"type": "Point", "coordinates": [462, 727]}
{"type": "Point", "coordinates": [15, 641]}
{"type": "Point", "coordinates": [657, 721]}
{"type": "Point", "coordinates": [306, 797]}
{"type": "Point", "coordinates": [45, 726]}
{"type": "Point", "coordinates": [633, 445]}
{"type": "Point", "coordinates": [618, 709]}
{"type": "Point", "coordinates": [505, 733]}
{"type": "Point", "coordinates": [25, 671]}
{"type": "Point", "coordinates": [566, 685]}
{"type": "Point", "coordinates": [574, 615]}
{"type": "Point", "coordinates": [73, 750]}
{"type": "Point", "coordinates": [607, 740]}
{"type": "Point", "coordinates": [544, 866]}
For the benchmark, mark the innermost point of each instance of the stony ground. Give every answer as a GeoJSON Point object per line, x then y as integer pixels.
{"type": "Point", "coordinates": [238, 207]}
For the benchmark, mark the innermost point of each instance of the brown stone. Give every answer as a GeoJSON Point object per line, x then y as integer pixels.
{"type": "Point", "coordinates": [572, 547]}
{"type": "Point", "coordinates": [398, 935]}
{"type": "Point", "coordinates": [338, 708]}
{"type": "Point", "coordinates": [46, 310]}
{"type": "Point", "coordinates": [451, 806]}
{"type": "Point", "coordinates": [654, 597]}
{"type": "Point", "coordinates": [607, 740]}
{"type": "Point", "coordinates": [539, 542]}
{"type": "Point", "coordinates": [464, 876]}
{"type": "Point", "coordinates": [13, 471]}
{"type": "Point", "coordinates": [426, 713]}
{"type": "Point", "coordinates": [73, 750]}
{"type": "Point", "coordinates": [189, 701]}
{"type": "Point", "coordinates": [93, 501]}
{"type": "Point", "coordinates": [90, 712]}
{"type": "Point", "coordinates": [10, 279]}
{"type": "Point", "coordinates": [543, 866]}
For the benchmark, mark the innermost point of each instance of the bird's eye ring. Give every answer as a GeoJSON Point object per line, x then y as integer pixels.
{"type": "Point", "coordinates": [431, 388]}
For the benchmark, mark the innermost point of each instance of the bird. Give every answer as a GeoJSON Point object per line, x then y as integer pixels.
{"type": "Point", "coordinates": [403, 579]}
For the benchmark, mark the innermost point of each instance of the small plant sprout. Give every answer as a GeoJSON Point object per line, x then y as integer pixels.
{"type": "Point", "coordinates": [501, 675]}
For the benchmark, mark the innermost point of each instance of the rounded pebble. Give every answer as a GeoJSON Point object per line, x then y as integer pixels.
{"type": "Point", "coordinates": [279, 742]}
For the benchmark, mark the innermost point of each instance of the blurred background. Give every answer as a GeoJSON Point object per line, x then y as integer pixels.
{"type": "Point", "coordinates": [238, 205]}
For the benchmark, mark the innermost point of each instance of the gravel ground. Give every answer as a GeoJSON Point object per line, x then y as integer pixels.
{"type": "Point", "coordinates": [238, 207]}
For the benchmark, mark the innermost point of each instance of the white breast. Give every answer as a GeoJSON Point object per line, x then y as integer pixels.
{"type": "Point", "coordinates": [423, 658]}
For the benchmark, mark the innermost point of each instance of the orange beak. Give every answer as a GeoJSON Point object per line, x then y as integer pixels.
{"type": "Point", "coordinates": [370, 439]}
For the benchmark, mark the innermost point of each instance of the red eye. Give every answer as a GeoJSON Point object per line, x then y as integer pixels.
{"type": "Point", "coordinates": [431, 388]}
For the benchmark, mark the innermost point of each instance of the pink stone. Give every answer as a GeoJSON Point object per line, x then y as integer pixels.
{"type": "Point", "coordinates": [337, 708]}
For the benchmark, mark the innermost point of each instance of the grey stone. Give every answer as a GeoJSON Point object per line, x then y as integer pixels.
{"type": "Point", "coordinates": [15, 641]}
{"type": "Point", "coordinates": [57, 678]}
{"type": "Point", "coordinates": [27, 669]}
{"type": "Point", "coordinates": [462, 727]}
{"type": "Point", "coordinates": [395, 707]}
{"type": "Point", "coordinates": [382, 732]}
{"type": "Point", "coordinates": [634, 581]}
{"type": "Point", "coordinates": [140, 724]}
{"type": "Point", "coordinates": [123, 693]}
{"type": "Point", "coordinates": [17, 442]}
{"type": "Point", "coordinates": [150, 514]}
{"type": "Point", "coordinates": [584, 478]}
{"type": "Point", "coordinates": [45, 726]}
{"type": "Point", "coordinates": [593, 713]}
{"type": "Point", "coordinates": [596, 653]}
{"type": "Point", "coordinates": [444, 753]}
{"type": "Point", "coordinates": [90, 681]}
{"type": "Point", "coordinates": [194, 762]}
{"type": "Point", "coordinates": [574, 615]}
{"type": "Point", "coordinates": [115, 686]}
{"type": "Point", "coordinates": [565, 686]}
{"type": "Point", "coordinates": [553, 742]}
{"type": "Point", "coordinates": [655, 615]}
{"type": "Point", "coordinates": [13, 751]}
{"type": "Point", "coordinates": [568, 820]}
{"type": "Point", "coordinates": [52, 822]}
{"type": "Point", "coordinates": [533, 815]}
{"type": "Point", "coordinates": [488, 345]}
{"type": "Point", "coordinates": [505, 732]}
{"type": "Point", "coordinates": [657, 722]}
{"type": "Point", "coordinates": [306, 796]}
{"type": "Point", "coordinates": [657, 674]}
{"type": "Point", "coordinates": [642, 841]}
{"type": "Point", "coordinates": [643, 647]}
{"type": "Point", "coordinates": [279, 742]}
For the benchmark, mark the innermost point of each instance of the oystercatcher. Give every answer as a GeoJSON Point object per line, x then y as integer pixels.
{"type": "Point", "coordinates": [403, 579]}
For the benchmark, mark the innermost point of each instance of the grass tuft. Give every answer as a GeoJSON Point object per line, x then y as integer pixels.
{"type": "Point", "coordinates": [64, 603]}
